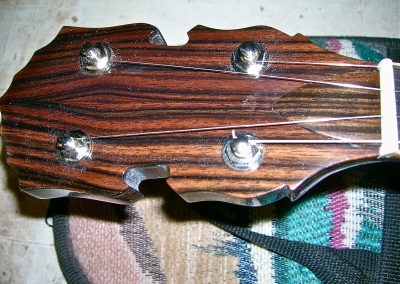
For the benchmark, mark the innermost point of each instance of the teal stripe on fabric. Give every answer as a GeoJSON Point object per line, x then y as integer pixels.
{"type": "Point", "coordinates": [369, 237]}
{"type": "Point", "coordinates": [305, 221]}
{"type": "Point", "coordinates": [322, 42]}
{"type": "Point", "coordinates": [366, 51]}
{"type": "Point", "coordinates": [290, 272]}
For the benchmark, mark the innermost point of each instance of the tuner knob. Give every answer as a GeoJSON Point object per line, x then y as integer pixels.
{"type": "Point", "coordinates": [239, 153]}
{"type": "Point", "coordinates": [74, 146]}
{"type": "Point", "coordinates": [95, 57]}
{"type": "Point", "coordinates": [250, 57]}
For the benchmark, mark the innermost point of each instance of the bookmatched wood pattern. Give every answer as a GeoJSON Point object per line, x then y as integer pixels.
{"type": "Point", "coordinates": [52, 94]}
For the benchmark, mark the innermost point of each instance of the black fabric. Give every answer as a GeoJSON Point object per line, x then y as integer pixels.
{"type": "Point", "coordinates": [390, 263]}
{"type": "Point", "coordinates": [328, 265]}
{"type": "Point", "coordinates": [393, 49]}
{"type": "Point", "coordinates": [331, 265]}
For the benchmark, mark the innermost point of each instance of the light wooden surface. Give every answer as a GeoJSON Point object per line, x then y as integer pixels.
{"type": "Point", "coordinates": [26, 244]}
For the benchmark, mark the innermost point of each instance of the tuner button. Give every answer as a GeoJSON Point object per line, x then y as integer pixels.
{"type": "Point", "coordinates": [241, 147]}
{"type": "Point", "coordinates": [74, 146]}
{"type": "Point", "coordinates": [95, 57]}
{"type": "Point", "coordinates": [250, 58]}
{"type": "Point", "coordinates": [240, 154]}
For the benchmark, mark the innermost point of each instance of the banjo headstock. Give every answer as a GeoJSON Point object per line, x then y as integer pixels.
{"type": "Point", "coordinates": [97, 111]}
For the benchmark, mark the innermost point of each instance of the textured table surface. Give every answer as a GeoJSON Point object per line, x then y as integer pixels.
{"type": "Point", "coordinates": [26, 244]}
